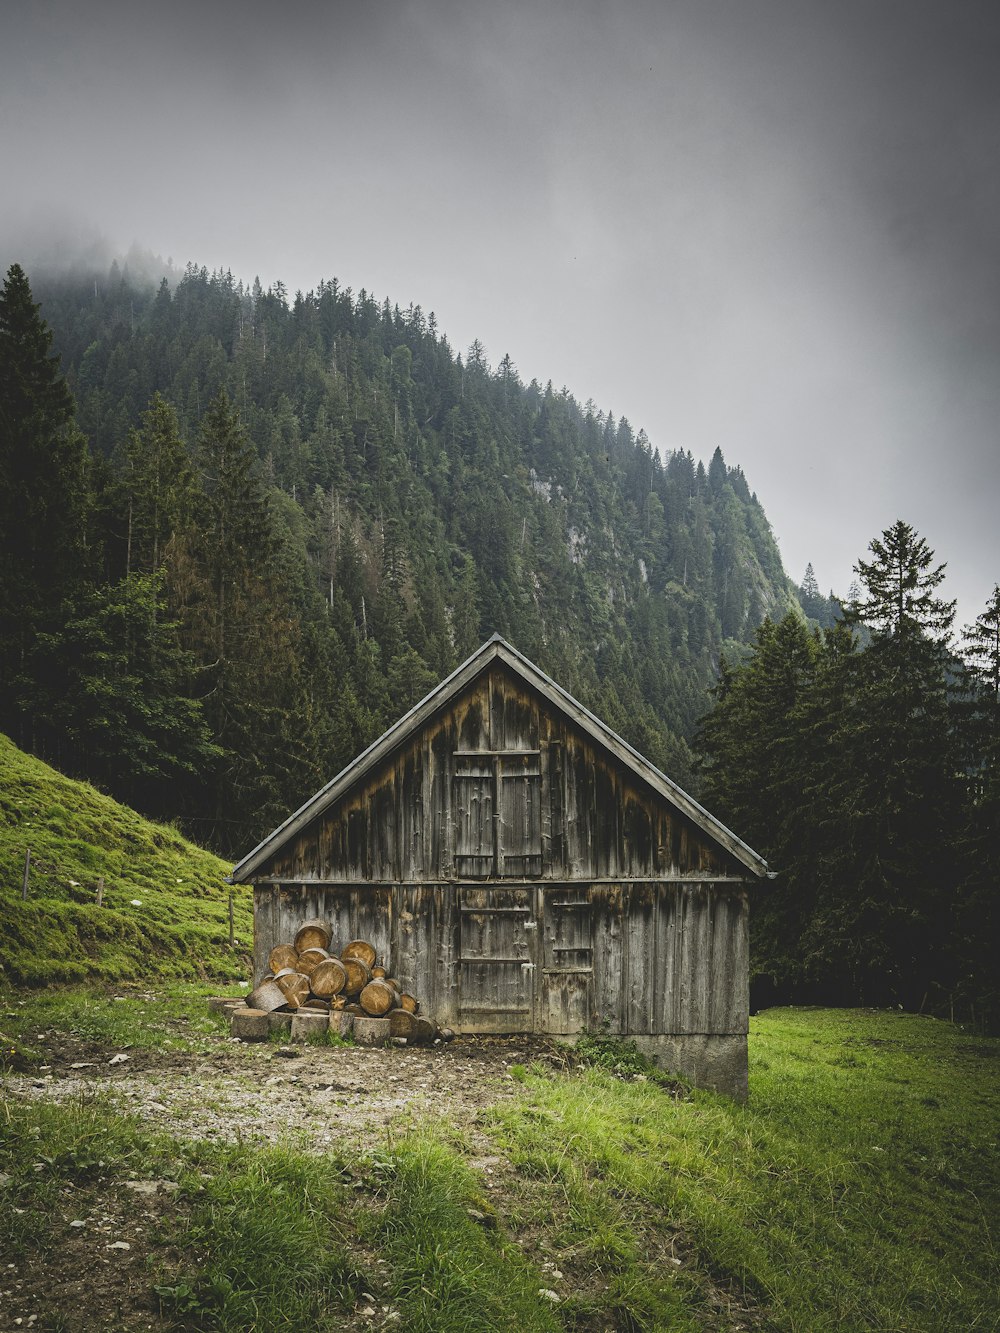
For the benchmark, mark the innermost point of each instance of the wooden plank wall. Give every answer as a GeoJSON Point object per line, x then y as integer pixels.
{"type": "Point", "coordinates": [641, 958]}
{"type": "Point", "coordinates": [403, 823]}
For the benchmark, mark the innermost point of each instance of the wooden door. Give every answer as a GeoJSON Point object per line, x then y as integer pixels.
{"type": "Point", "coordinates": [519, 855]}
{"type": "Point", "coordinates": [497, 964]}
{"type": "Point", "coordinates": [567, 989]}
{"type": "Point", "coordinates": [475, 837]}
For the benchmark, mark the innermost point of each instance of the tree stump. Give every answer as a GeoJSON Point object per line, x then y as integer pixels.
{"type": "Point", "coordinates": [309, 960]}
{"type": "Point", "coordinates": [329, 978]}
{"type": "Point", "coordinates": [358, 977]}
{"type": "Point", "coordinates": [341, 1023]}
{"type": "Point", "coordinates": [308, 1024]}
{"type": "Point", "coordinates": [250, 1024]}
{"type": "Point", "coordinates": [282, 955]}
{"type": "Point", "coordinates": [269, 995]}
{"type": "Point", "coordinates": [280, 1020]}
{"type": "Point", "coordinates": [294, 987]}
{"type": "Point", "coordinates": [400, 1023]}
{"type": "Point", "coordinates": [361, 950]}
{"type": "Point", "coordinates": [370, 1031]}
{"type": "Point", "coordinates": [217, 1003]}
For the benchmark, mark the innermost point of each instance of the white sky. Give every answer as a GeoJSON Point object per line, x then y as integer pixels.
{"type": "Point", "coordinates": [769, 225]}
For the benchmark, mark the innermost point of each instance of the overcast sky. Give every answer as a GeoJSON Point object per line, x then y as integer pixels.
{"type": "Point", "coordinates": [769, 225]}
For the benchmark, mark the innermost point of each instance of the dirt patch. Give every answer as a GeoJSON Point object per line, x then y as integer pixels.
{"type": "Point", "coordinates": [329, 1097]}
{"type": "Point", "coordinates": [97, 1273]}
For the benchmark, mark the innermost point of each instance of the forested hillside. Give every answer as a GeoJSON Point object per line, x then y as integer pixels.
{"type": "Point", "coordinates": [272, 524]}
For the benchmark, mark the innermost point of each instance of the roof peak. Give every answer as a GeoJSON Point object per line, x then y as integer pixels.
{"type": "Point", "coordinates": [497, 647]}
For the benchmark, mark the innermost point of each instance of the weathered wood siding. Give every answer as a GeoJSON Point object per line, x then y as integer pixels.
{"type": "Point", "coordinates": [499, 787]}
{"type": "Point", "coordinates": [640, 957]}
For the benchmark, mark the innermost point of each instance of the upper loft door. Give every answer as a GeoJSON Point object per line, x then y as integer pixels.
{"type": "Point", "coordinates": [498, 814]}
{"type": "Point", "coordinates": [519, 853]}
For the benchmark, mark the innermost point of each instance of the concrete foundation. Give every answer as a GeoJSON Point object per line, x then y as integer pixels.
{"type": "Point", "coordinates": [709, 1061]}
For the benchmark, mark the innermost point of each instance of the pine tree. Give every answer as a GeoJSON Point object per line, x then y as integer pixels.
{"type": "Point", "coordinates": [901, 808]}
{"type": "Point", "coordinates": [977, 912]}
{"type": "Point", "coordinates": [44, 506]}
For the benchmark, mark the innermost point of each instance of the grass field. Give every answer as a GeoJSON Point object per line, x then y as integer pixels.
{"type": "Point", "coordinates": [858, 1189]}
{"type": "Point", "coordinates": [165, 911]}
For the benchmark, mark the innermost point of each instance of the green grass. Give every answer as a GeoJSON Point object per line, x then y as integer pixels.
{"type": "Point", "coordinates": [171, 1020]}
{"type": "Point", "coordinates": [253, 1239]}
{"type": "Point", "coordinates": [859, 1189]}
{"type": "Point", "coordinates": [76, 835]}
{"type": "Point", "coordinates": [450, 1269]}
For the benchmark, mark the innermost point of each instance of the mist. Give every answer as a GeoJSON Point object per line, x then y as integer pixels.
{"type": "Point", "coordinates": [767, 227]}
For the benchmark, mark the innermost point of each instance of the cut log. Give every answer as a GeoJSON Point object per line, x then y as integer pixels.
{"type": "Point", "coordinates": [377, 998]}
{"type": "Point", "coordinates": [391, 981]}
{"type": "Point", "coordinates": [329, 978]}
{"type": "Point", "coordinates": [217, 1003]}
{"type": "Point", "coordinates": [361, 950]}
{"type": "Point", "coordinates": [284, 972]}
{"type": "Point", "coordinates": [269, 995]}
{"type": "Point", "coordinates": [446, 1034]}
{"type": "Point", "coordinates": [315, 1002]}
{"type": "Point", "coordinates": [370, 1031]}
{"type": "Point", "coordinates": [409, 1002]}
{"type": "Point", "coordinates": [250, 1024]}
{"type": "Point", "coordinates": [378, 972]}
{"type": "Point", "coordinates": [357, 978]}
{"type": "Point", "coordinates": [308, 1024]}
{"type": "Point", "coordinates": [280, 1020]}
{"type": "Point", "coordinates": [282, 955]}
{"type": "Point", "coordinates": [355, 1009]}
{"type": "Point", "coordinates": [400, 1023]}
{"type": "Point", "coordinates": [313, 933]}
{"type": "Point", "coordinates": [309, 960]}
{"type": "Point", "coordinates": [295, 988]}
{"type": "Point", "coordinates": [338, 1001]}
{"type": "Point", "coordinates": [423, 1029]}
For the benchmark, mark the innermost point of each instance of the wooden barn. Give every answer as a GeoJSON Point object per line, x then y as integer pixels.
{"type": "Point", "coordinates": [525, 870]}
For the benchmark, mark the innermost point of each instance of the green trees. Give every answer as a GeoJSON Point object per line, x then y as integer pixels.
{"type": "Point", "coordinates": [398, 506]}
{"type": "Point", "coordinates": [843, 767]}
{"type": "Point", "coordinates": [44, 504]}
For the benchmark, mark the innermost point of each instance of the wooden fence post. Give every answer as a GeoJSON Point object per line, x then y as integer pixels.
{"type": "Point", "coordinates": [100, 891]}
{"type": "Point", "coordinates": [24, 881]}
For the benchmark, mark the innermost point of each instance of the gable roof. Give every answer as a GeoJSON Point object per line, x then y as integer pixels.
{"type": "Point", "coordinates": [497, 649]}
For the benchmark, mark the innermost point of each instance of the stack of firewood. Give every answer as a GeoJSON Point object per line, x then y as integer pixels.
{"type": "Point", "coordinates": [307, 978]}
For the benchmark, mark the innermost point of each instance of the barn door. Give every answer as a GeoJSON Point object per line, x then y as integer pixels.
{"type": "Point", "coordinates": [497, 946]}
{"type": "Point", "coordinates": [568, 960]}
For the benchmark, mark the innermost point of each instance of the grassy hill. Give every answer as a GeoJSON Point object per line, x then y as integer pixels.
{"type": "Point", "coordinates": [165, 911]}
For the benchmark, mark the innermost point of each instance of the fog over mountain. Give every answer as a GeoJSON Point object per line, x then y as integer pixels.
{"type": "Point", "coordinates": [766, 226]}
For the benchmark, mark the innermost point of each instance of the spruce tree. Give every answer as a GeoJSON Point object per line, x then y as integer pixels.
{"type": "Point", "coordinates": [44, 508]}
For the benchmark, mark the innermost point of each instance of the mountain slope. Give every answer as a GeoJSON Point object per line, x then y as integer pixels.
{"type": "Point", "coordinates": [409, 502]}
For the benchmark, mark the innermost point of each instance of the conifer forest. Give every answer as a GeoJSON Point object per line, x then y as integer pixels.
{"type": "Point", "coordinates": [241, 532]}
